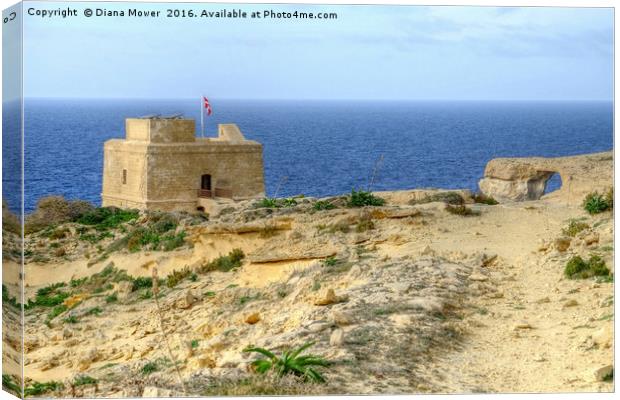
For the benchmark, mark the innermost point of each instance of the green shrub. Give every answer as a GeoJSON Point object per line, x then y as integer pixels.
{"type": "Point", "coordinates": [171, 242]}
{"type": "Point", "coordinates": [596, 203]}
{"type": "Point", "coordinates": [323, 205]}
{"type": "Point", "coordinates": [49, 296]}
{"type": "Point", "coordinates": [113, 298]}
{"type": "Point", "coordinates": [84, 380]}
{"type": "Point", "coordinates": [288, 202]}
{"type": "Point", "coordinates": [150, 238]}
{"type": "Point", "coordinates": [10, 386]}
{"type": "Point", "coordinates": [267, 203]}
{"type": "Point", "coordinates": [142, 282]}
{"type": "Point", "coordinates": [71, 320]}
{"type": "Point", "coordinates": [361, 199]}
{"type": "Point", "coordinates": [225, 263]}
{"type": "Point", "coordinates": [484, 199]}
{"type": "Point", "coordinates": [165, 223]}
{"type": "Point", "coordinates": [176, 276]}
{"type": "Point", "coordinates": [574, 227]}
{"type": "Point", "coordinates": [578, 268]}
{"type": "Point", "coordinates": [149, 368]}
{"type": "Point", "coordinates": [330, 261]}
{"type": "Point", "coordinates": [103, 218]}
{"type": "Point", "coordinates": [39, 388]}
{"type": "Point", "coordinates": [275, 203]}
{"type": "Point", "coordinates": [461, 210]}
{"type": "Point", "coordinates": [290, 362]}
{"type": "Point", "coordinates": [94, 311]}
{"type": "Point", "coordinates": [56, 311]}
{"type": "Point", "coordinates": [7, 299]}
{"type": "Point", "coordinates": [77, 282]}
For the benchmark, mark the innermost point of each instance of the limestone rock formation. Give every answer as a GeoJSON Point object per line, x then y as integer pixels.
{"type": "Point", "coordinates": [519, 179]}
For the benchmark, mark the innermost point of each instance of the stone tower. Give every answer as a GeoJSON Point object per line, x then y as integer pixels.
{"type": "Point", "coordinates": [162, 165]}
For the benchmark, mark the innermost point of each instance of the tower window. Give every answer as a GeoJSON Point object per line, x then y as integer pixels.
{"type": "Point", "coordinates": [124, 177]}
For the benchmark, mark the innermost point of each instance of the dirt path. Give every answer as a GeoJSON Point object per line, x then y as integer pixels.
{"type": "Point", "coordinates": [545, 333]}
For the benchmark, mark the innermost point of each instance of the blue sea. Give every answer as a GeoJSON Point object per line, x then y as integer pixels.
{"type": "Point", "coordinates": [315, 148]}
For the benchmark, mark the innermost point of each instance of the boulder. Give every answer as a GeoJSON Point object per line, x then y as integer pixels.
{"type": "Point", "coordinates": [124, 289]}
{"type": "Point", "coordinates": [86, 358]}
{"type": "Point", "coordinates": [603, 373]}
{"type": "Point", "coordinates": [252, 318]}
{"type": "Point", "coordinates": [152, 391]}
{"type": "Point", "coordinates": [561, 244]}
{"type": "Point", "coordinates": [603, 337]}
{"type": "Point", "coordinates": [329, 297]}
{"type": "Point", "coordinates": [337, 338]}
{"type": "Point", "coordinates": [187, 300]}
{"type": "Point", "coordinates": [342, 318]}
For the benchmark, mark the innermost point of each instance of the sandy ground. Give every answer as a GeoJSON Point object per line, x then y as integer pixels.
{"type": "Point", "coordinates": [525, 327]}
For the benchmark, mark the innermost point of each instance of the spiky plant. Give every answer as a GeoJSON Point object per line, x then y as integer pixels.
{"type": "Point", "coordinates": [290, 362]}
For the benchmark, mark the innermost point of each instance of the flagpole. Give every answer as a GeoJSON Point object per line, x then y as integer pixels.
{"type": "Point", "coordinates": [202, 117]}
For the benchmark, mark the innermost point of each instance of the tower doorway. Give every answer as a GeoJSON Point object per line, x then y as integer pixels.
{"type": "Point", "coordinates": [205, 182]}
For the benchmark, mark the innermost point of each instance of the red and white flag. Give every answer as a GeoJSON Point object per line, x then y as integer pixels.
{"type": "Point", "coordinates": [207, 106]}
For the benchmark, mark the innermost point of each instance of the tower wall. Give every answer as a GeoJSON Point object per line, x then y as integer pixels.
{"type": "Point", "coordinates": [160, 164]}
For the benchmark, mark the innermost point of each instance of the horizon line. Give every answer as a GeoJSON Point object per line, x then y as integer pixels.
{"type": "Point", "coordinates": [313, 99]}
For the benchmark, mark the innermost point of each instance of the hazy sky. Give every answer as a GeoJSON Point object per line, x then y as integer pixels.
{"type": "Point", "coordinates": [399, 52]}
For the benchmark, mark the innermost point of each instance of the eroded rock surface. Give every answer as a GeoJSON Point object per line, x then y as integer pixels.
{"type": "Point", "coordinates": [519, 179]}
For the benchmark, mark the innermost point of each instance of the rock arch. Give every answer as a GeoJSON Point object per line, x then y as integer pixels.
{"type": "Point", "coordinates": [521, 179]}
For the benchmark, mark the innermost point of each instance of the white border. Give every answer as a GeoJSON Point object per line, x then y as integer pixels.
{"type": "Point", "coordinates": [522, 3]}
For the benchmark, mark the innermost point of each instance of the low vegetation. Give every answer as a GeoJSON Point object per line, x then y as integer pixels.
{"type": "Point", "coordinates": [596, 203]}
{"type": "Point", "coordinates": [482, 198]}
{"type": "Point", "coordinates": [361, 198]}
{"type": "Point", "coordinates": [158, 232]}
{"type": "Point", "coordinates": [365, 223]}
{"type": "Point", "coordinates": [49, 296]}
{"type": "Point", "coordinates": [39, 388]}
{"type": "Point", "coordinates": [578, 268]}
{"type": "Point", "coordinates": [104, 218]}
{"type": "Point", "coordinates": [84, 380]}
{"type": "Point", "coordinates": [8, 299]}
{"type": "Point", "coordinates": [290, 362]}
{"type": "Point", "coordinates": [176, 276]}
{"type": "Point", "coordinates": [268, 202]}
{"type": "Point", "coordinates": [225, 263]}
{"type": "Point", "coordinates": [323, 205]}
{"type": "Point", "coordinates": [55, 210]}
{"type": "Point", "coordinates": [461, 210]}
{"type": "Point", "coordinates": [574, 227]}
{"type": "Point", "coordinates": [10, 386]}
{"type": "Point", "coordinates": [267, 384]}
{"type": "Point", "coordinates": [154, 366]}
